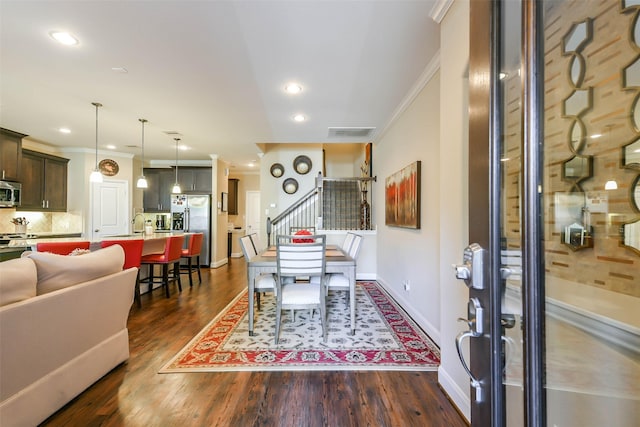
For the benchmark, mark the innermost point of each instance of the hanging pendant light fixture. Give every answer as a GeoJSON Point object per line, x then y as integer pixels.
{"type": "Point", "coordinates": [176, 186]}
{"type": "Point", "coordinates": [142, 181]}
{"type": "Point", "coordinates": [96, 175]}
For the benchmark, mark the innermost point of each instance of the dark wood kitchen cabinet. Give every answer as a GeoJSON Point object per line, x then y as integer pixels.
{"type": "Point", "coordinates": [44, 182]}
{"type": "Point", "coordinates": [195, 180]}
{"type": "Point", "coordinates": [157, 196]}
{"type": "Point", "coordinates": [10, 154]}
{"type": "Point", "coordinates": [233, 196]}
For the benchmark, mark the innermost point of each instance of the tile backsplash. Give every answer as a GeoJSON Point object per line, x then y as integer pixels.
{"type": "Point", "coordinates": [42, 222]}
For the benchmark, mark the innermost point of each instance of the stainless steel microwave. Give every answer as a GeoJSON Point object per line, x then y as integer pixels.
{"type": "Point", "coordinates": [10, 194]}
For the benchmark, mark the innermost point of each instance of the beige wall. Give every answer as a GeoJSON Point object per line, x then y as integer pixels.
{"type": "Point", "coordinates": [454, 193]}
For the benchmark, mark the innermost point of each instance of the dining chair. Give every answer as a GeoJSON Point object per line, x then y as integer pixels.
{"type": "Point", "coordinates": [193, 249]}
{"type": "Point", "coordinates": [170, 256]}
{"type": "Point", "coordinates": [132, 258]}
{"type": "Point", "coordinates": [339, 281]}
{"type": "Point", "coordinates": [263, 282]}
{"type": "Point", "coordinates": [293, 229]}
{"type": "Point", "coordinates": [257, 243]}
{"type": "Point", "coordinates": [295, 260]}
{"type": "Point", "coordinates": [62, 248]}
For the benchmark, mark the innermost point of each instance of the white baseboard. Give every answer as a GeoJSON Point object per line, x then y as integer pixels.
{"type": "Point", "coordinates": [455, 393]}
{"type": "Point", "coordinates": [236, 255]}
{"type": "Point", "coordinates": [220, 263]}
{"type": "Point", "coordinates": [406, 305]}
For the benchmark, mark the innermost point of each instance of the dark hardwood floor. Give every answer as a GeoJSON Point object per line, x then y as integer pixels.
{"type": "Point", "coordinates": [134, 394]}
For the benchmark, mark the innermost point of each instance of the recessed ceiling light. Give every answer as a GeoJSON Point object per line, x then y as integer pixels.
{"type": "Point", "coordinates": [293, 88]}
{"type": "Point", "coordinates": [111, 147]}
{"type": "Point", "coordinates": [64, 38]}
{"type": "Point", "coordinates": [64, 130]}
{"type": "Point", "coordinates": [299, 118]}
{"type": "Point", "coordinates": [183, 147]}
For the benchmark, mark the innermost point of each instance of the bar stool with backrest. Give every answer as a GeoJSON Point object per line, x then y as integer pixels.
{"type": "Point", "coordinates": [194, 247]}
{"type": "Point", "coordinates": [132, 258]}
{"type": "Point", "coordinates": [62, 248]}
{"type": "Point", "coordinates": [170, 256]}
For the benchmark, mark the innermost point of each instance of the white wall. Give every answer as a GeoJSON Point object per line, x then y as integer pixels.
{"type": "Point", "coordinates": [453, 204]}
{"type": "Point", "coordinates": [409, 254]}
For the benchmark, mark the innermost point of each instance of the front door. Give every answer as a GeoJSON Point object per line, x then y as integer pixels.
{"type": "Point", "coordinates": [555, 202]}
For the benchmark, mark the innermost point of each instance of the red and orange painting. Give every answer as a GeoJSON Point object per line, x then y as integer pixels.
{"type": "Point", "coordinates": [402, 197]}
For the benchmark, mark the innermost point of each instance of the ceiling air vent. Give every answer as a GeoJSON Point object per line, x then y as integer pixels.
{"type": "Point", "coordinates": [351, 132]}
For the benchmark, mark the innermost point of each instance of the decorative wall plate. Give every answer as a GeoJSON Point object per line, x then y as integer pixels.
{"type": "Point", "coordinates": [108, 167]}
{"type": "Point", "coordinates": [302, 164]}
{"type": "Point", "coordinates": [277, 170]}
{"type": "Point", "coordinates": [290, 185]}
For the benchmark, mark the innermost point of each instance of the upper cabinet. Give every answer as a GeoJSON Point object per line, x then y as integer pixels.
{"type": "Point", "coordinates": [157, 196]}
{"type": "Point", "coordinates": [233, 196]}
{"type": "Point", "coordinates": [195, 180]}
{"type": "Point", "coordinates": [44, 182]}
{"type": "Point", "coordinates": [10, 154]}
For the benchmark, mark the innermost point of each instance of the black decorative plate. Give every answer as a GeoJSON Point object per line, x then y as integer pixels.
{"type": "Point", "coordinates": [277, 170]}
{"type": "Point", "coordinates": [290, 185]}
{"type": "Point", "coordinates": [302, 164]}
{"type": "Point", "coordinates": [108, 167]}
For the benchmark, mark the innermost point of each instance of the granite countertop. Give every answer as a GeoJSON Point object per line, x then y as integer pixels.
{"type": "Point", "coordinates": [32, 242]}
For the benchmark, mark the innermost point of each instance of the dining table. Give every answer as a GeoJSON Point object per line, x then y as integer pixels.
{"type": "Point", "coordinates": [337, 261]}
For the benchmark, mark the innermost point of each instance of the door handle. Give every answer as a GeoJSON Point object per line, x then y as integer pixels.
{"type": "Point", "coordinates": [474, 382]}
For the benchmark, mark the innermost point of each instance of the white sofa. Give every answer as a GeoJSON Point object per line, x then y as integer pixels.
{"type": "Point", "coordinates": [63, 325]}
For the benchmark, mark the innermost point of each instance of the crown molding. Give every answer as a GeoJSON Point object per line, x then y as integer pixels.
{"type": "Point", "coordinates": [440, 9]}
{"type": "Point", "coordinates": [430, 70]}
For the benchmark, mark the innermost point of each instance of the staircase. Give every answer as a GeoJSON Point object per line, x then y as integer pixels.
{"type": "Point", "coordinates": [334, 204]}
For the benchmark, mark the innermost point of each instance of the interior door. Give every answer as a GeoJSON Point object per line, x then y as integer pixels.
{"type": "Point", "coordinates": [554, 131]}
{"type": "Point", "coordinates": [109, 208]}
{"type": "Point", "coordinates": [253, 212]}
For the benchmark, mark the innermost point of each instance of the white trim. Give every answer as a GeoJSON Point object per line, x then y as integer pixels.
{"type": "Point", "coordinates": [169, 163]}
{"type": "Point", "coordinates": [220, 263]}
{"type": "Point", "coordinates": [455, 393]}
{"type": "Point", "coordinates": [440, 9]}
{"type": "Point", "coordinates": [427, 74]}
{"type": "Point", "coordinates": [417, 317]}
{"type": "Point", "coordinates": [92, 151]}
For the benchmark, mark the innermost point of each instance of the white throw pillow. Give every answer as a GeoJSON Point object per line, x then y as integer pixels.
{"type": "Point", "coordinates": [18, 278]}
{"type": "Point", "coordinates": [61, 271]}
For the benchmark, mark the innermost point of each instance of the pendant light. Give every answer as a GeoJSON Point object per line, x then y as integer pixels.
{"type": "Point", "coordinates": [142, 181]}
{"type": "Point", "coordinates": [96, 175]}
{"type": "Point", "coordinates": [176, 187]}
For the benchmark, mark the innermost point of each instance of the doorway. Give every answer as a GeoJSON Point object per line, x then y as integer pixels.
{"type": "Point", "coordinates": [109, 208]}
{"type": "Point", "coordinates": [252, 222]}
{"type": "Point", "coordinates": [559, 126]}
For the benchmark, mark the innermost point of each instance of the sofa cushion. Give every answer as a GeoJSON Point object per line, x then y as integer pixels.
{"type": "Point", "coordinates": [60, 271]}
{"type": "Point", "coordinates": [18, 278]}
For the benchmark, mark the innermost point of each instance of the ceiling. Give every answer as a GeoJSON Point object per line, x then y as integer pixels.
{"type": "Point", "coordinates": [212, 71]}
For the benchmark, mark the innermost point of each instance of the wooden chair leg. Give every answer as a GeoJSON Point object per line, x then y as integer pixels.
{"type": "Point", "coordinates": [165, 278]}
{"type": "Point", "coordinates": [137, 296]}
{"type": "Point", "coordinates": [176, 274]}
{"type": "Point", "coordinates": [198, 266]}
{"type": "Point", "coordinates": [189, 270]}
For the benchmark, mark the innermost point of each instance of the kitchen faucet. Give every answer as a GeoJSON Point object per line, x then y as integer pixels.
{"type": "Point", "coordinates": [133, 222]}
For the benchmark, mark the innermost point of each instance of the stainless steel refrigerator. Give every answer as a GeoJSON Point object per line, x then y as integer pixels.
{"type": "Point", "coordinates": [192, 213]}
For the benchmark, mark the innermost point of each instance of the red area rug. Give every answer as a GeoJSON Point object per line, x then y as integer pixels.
{"type": "Point", "coordinates": [386, 338]}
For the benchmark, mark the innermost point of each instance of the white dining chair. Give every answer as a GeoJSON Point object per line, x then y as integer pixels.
{"type": "Point", "coordinates": [263, 282]}
{"type": "Point", "coordinates": [339, 281]}
{"type": "Point", "coordinates": [296, 260]}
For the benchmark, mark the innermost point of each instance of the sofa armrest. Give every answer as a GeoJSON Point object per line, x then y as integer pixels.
{"type": "Point", "coordinates": [40, 334]}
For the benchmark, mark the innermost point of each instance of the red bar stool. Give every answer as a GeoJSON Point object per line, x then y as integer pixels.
{"type": "Point", "coordinates": [61, 248]}
{"type": "Point", "coordinates": [193, 251]}
{"type": "Point", "coordinates": [171, 255]}
{"type": "Point", "coordinates": [132, 258]}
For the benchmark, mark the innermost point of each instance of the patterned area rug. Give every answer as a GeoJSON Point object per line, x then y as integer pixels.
{"type": "Point", "coordinates": [386, 338]}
